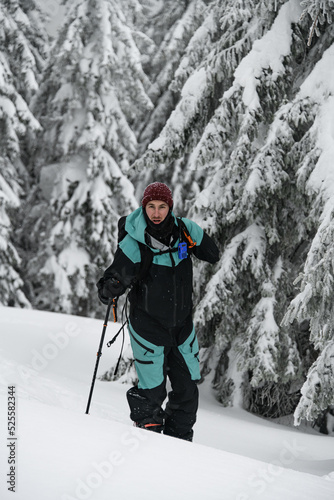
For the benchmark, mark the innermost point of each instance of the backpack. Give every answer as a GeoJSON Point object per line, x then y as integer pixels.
{"type": "Point", "coordinates": [147, 254]}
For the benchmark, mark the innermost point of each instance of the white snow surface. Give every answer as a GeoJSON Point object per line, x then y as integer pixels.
{"type": "Point", "coordinates": [63, 454]}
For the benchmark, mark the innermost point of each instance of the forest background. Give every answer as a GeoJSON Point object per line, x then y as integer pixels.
{"type": "Point", "coordinates": [231, 103]}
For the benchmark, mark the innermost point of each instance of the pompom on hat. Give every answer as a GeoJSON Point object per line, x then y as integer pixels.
{"type": "Point", "coordinates": [157, 191]}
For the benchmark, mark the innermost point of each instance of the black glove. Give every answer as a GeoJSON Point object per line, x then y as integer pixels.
{"type": "Point", "coordinates": [109, 288]}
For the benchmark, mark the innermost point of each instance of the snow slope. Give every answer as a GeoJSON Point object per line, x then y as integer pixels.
{"type": "Point", "coordinates": [62, 453]}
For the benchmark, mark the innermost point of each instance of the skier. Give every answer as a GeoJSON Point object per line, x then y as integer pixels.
{"type": "Point", "coordinates": [153, 259]}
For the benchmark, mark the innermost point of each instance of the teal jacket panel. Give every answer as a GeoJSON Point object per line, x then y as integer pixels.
{"type": "Point", "coordinates": [135, 227]}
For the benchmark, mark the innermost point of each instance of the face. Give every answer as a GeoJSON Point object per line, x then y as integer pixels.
{"type": "Point", "coordinates": [157, 211]}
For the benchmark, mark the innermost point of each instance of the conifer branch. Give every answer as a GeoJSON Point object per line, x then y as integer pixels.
{"type": "Point", "coordinates": [313, 28]}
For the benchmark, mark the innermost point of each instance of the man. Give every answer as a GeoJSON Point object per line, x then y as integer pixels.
{"type": "Point", "coordinates": [153, 259]}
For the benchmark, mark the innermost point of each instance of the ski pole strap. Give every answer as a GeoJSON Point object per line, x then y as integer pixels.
{"type": "Point", "coordinates": [120, 356]}
{"type": "Point", "coordinates": [115, 336]}
{"type": "Point", "coordinates": [113, 340]}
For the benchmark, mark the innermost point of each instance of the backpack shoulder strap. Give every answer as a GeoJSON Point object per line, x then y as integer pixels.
{"type": "Point", "coordinates": [121, 229]}
{"type": "Point", "coordinates": [146, 255]}
{"type": "Point", "coordinates": [185, 235]}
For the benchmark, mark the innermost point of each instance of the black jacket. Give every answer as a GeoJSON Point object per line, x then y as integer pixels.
{"type": "Point", "coordinates": [161, 301]}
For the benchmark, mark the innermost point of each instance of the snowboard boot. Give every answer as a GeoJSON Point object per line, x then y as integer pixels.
{"type": "Point", "coordinates": [154, 423]}
{"type": "Point", "coordinates": [150, 426]}
{"type": "Point", "coordinates": [145, 413]}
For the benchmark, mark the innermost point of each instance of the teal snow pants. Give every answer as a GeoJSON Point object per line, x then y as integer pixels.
{"type": "Point", "coordinates": [153, 365]}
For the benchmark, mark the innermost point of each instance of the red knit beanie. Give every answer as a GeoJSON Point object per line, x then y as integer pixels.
{"type": "Point", "coordinates": [157, 191]}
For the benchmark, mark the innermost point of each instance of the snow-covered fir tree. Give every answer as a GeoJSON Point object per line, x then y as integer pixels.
{"type": "Point", "coordinates": [250, 202]}
{"type": "Point", "coordinates": [205, 71]}
{"type": "Point", "coordinates": [314, 303]}
{"type": "Point", "coordinates": [23, 43]}
{"type": "Point", "coordinates": [160, 17]}
{"type": "Point", "coordinates": [183, 19]}
{"type": "Point", "coordinates": [26, 45]}
{"type": "Point", "coordinates": [91, 98]}
{"type": "Point", "coordinates": [236, 143]}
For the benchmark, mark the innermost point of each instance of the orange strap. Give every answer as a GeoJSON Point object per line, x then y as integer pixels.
{"type": "Point", "coordinates": [191, 243]}
{"type": "Point", "coordinates": [114, 309]}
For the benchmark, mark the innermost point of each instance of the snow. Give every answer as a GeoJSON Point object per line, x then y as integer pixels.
{"type": "Point", "coordinates": [268, 52]}
{"type": "Point", "coordinates": [191, 91]}
{"type": "Point", "coordinates": [73, 258]}
{"type": "Point", "coordinates": [8, 195]}
{"type": "Point", "coordinates": [320, 87]}
{"type": "Point", "coordinates": [55, 178]}
{"type": "Point", "coordinates": [63, 454]}
{"type": "Point", "coordinates": [55, 12]}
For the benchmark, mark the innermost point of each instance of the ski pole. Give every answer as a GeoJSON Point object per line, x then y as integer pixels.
{"type": "Point", "coordinates": [111, 302]}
